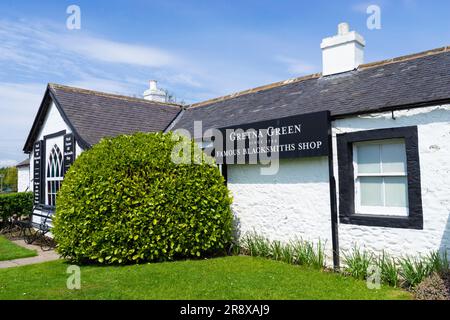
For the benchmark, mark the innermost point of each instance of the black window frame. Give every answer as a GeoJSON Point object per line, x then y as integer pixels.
{"type": "Point", "coordinates": [347, 214]}
{"type": "Point", "coordinates": [43, 183]}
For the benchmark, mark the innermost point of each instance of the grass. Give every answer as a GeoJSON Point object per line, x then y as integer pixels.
{"type": "Point", "coordinates": [230, 278]}
{"type": "Point", "coordinates": [10, 251]}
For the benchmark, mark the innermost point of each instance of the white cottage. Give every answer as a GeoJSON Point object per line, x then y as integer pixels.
{"type": "Point", "coordinates": [378, 180]}
{"type": "Point", "coordinates": [71, 120]}
{"type": "Point", "coordinates": [23, 176]}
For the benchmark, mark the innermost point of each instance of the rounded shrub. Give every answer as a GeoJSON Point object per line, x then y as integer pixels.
{"type": "Point", "coordinates": [126, 201]}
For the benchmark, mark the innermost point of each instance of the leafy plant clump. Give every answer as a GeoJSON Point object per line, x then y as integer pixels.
{"type": "Point", "coordinates": [126, 201]}
{"type": "Point", "coordinates": [19, 204]}
{"type": "Point", "coordinates": [298, 252]}
{"type": "Point", "coordinates": [407, 271]}
{"type": "Point", "coordinates": [357, 263]}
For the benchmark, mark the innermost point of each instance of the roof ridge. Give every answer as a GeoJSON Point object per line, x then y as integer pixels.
{"type": "Point", "coordinates": [256, 89]}
{"type": "Point", "coordinates": [110, 95]}
{"type": "Point", "coordinates": [318, 75]}
{"type": "Point", "coordinates": [405, 57]}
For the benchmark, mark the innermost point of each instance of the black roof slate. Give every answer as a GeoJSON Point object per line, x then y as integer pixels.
{"type": "Point", "coordinates": [404, 82]}
{"type": "Point", "coordinates": [94, 115]}
{"type": "Point", "coordinates": [407, 81]}
{"type": "Point", "coordinates": [24, 163]}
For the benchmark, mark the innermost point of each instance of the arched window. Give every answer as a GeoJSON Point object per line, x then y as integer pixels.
{"type": "Point", "coordinates": [54, 174]}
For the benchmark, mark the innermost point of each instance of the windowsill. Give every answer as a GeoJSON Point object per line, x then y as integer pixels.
{"type": "Point", "coordinates": [381, 221]}
{"type": "Point", "coordinates": [382, 212]}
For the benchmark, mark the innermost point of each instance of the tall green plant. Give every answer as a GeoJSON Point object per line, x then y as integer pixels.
{"type": "Point", "coordinates": [298, 252]}
{"type": "Point", "coordinates": [414, 270]}
{"type": "Point", "coordinates": [389, 269]}
{"type": "Point", "coordinates": [357, 262]}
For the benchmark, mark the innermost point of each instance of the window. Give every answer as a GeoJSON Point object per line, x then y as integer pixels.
{"type": "Point", "coordinates": [54, 175]}
{"type": "Point", "coordinates": [381, 183]}
{"type": "Point", "coordinates": [379, 178]}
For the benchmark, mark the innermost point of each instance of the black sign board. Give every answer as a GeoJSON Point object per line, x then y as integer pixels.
{"type": "Point", "coordinates": [38, 164]}
{"type": "Point", "coordinates": [69, 151]}
{"type": "Point", "coordinates": [297, 136]}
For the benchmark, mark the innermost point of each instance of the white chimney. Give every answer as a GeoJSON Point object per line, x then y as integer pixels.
{"type": "Point", "coordinates": [343, 52]}
{"type": "Point", "coordinates": [155, 94]}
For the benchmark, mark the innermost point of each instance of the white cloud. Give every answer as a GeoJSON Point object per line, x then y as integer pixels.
{"type": "Point", "coordinates": [19, 104]}
{"type": "Point", "coordinates": [18, 37]}
{"type": "Point", "coordinates": [296, 66]}
{"type": "Point", "coordinates": [118, 52]}
{"type": "Point", "coordinates": [101, 84]}
{"type": "Point", "coordinates": [361, 7]}
{"type": "Point", "coordinates": [8, 163]}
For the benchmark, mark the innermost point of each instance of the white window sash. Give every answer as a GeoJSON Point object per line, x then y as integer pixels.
{"type": "Point", "coordinates": [52, 179]}
{"type": "Point", "coordinates": [375, 210]}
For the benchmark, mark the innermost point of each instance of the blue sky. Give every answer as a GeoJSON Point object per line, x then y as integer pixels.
{"type": "Point", "coordinates": [196, 49]}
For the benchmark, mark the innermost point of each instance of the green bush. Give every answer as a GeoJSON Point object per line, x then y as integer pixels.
{"type": "Point", "coordinates": [20, 204]}
{"type": "Point", "coordinates": [126, 201]}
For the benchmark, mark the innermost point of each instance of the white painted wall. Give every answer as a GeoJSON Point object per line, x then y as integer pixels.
{"type": "Point", "coordinates": [294, 203]}
{"type": "Point", "coordinates": [53, 123]}
{"type": "Point", "coordinates": [434, 151]}
{"type": "Point", "coordinates": [23, 179]}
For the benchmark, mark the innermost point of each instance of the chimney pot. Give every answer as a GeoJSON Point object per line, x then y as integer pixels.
{"type": "Point", "coordinates": [155, 94]}
{"type": "Point", "coordinates": [153, 85]}
{"type": "Point", "coordinates": [342, 52]}
{"type": "Point", "coordinates": [343, 28]}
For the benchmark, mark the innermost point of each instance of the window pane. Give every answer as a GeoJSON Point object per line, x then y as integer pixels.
{"type": "Point", "coordinates": [393, 157]}
{"type": "Point", "coordinates": [396, 189]}
{"type": "Point", "coordinates": [369, 158]}
{"type": "Point", "coordinates": [371, 191]}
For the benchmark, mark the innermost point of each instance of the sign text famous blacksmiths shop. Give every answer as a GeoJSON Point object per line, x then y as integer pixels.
{"type": "Point", "coordinates": [291, 137]}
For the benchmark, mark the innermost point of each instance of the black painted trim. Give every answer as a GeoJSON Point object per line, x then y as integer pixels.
{"type": "Point", "coordinates": [346, 179]}
{"type": "Point", "coordinates": [333, 200]}
{"type": "Point", "coordinates": [83, 144]}
{"type": "Point", "coordinates": [415, 105]}
{"type": "Point", "coordinates": [225, 173]}
{"type": "Point", "coordinates": [55, 135]}
{"type": "Point", "coordinates": [49, 96]}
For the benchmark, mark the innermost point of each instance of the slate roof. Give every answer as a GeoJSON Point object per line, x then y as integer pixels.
{"type": "Point", "coordinates": [24, 163]}
{"type": "Point", "coordinates": [406, 82]}
{"type": "Point", "coordinates": [410, 81]}
{"type": "Point", "coordinates": [93, 115]}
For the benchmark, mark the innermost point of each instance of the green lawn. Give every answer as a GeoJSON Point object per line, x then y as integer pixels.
{"type": "Point", "coordinates": [9, 250]}
{"type": "Point", "coordinates": [219, 278]}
